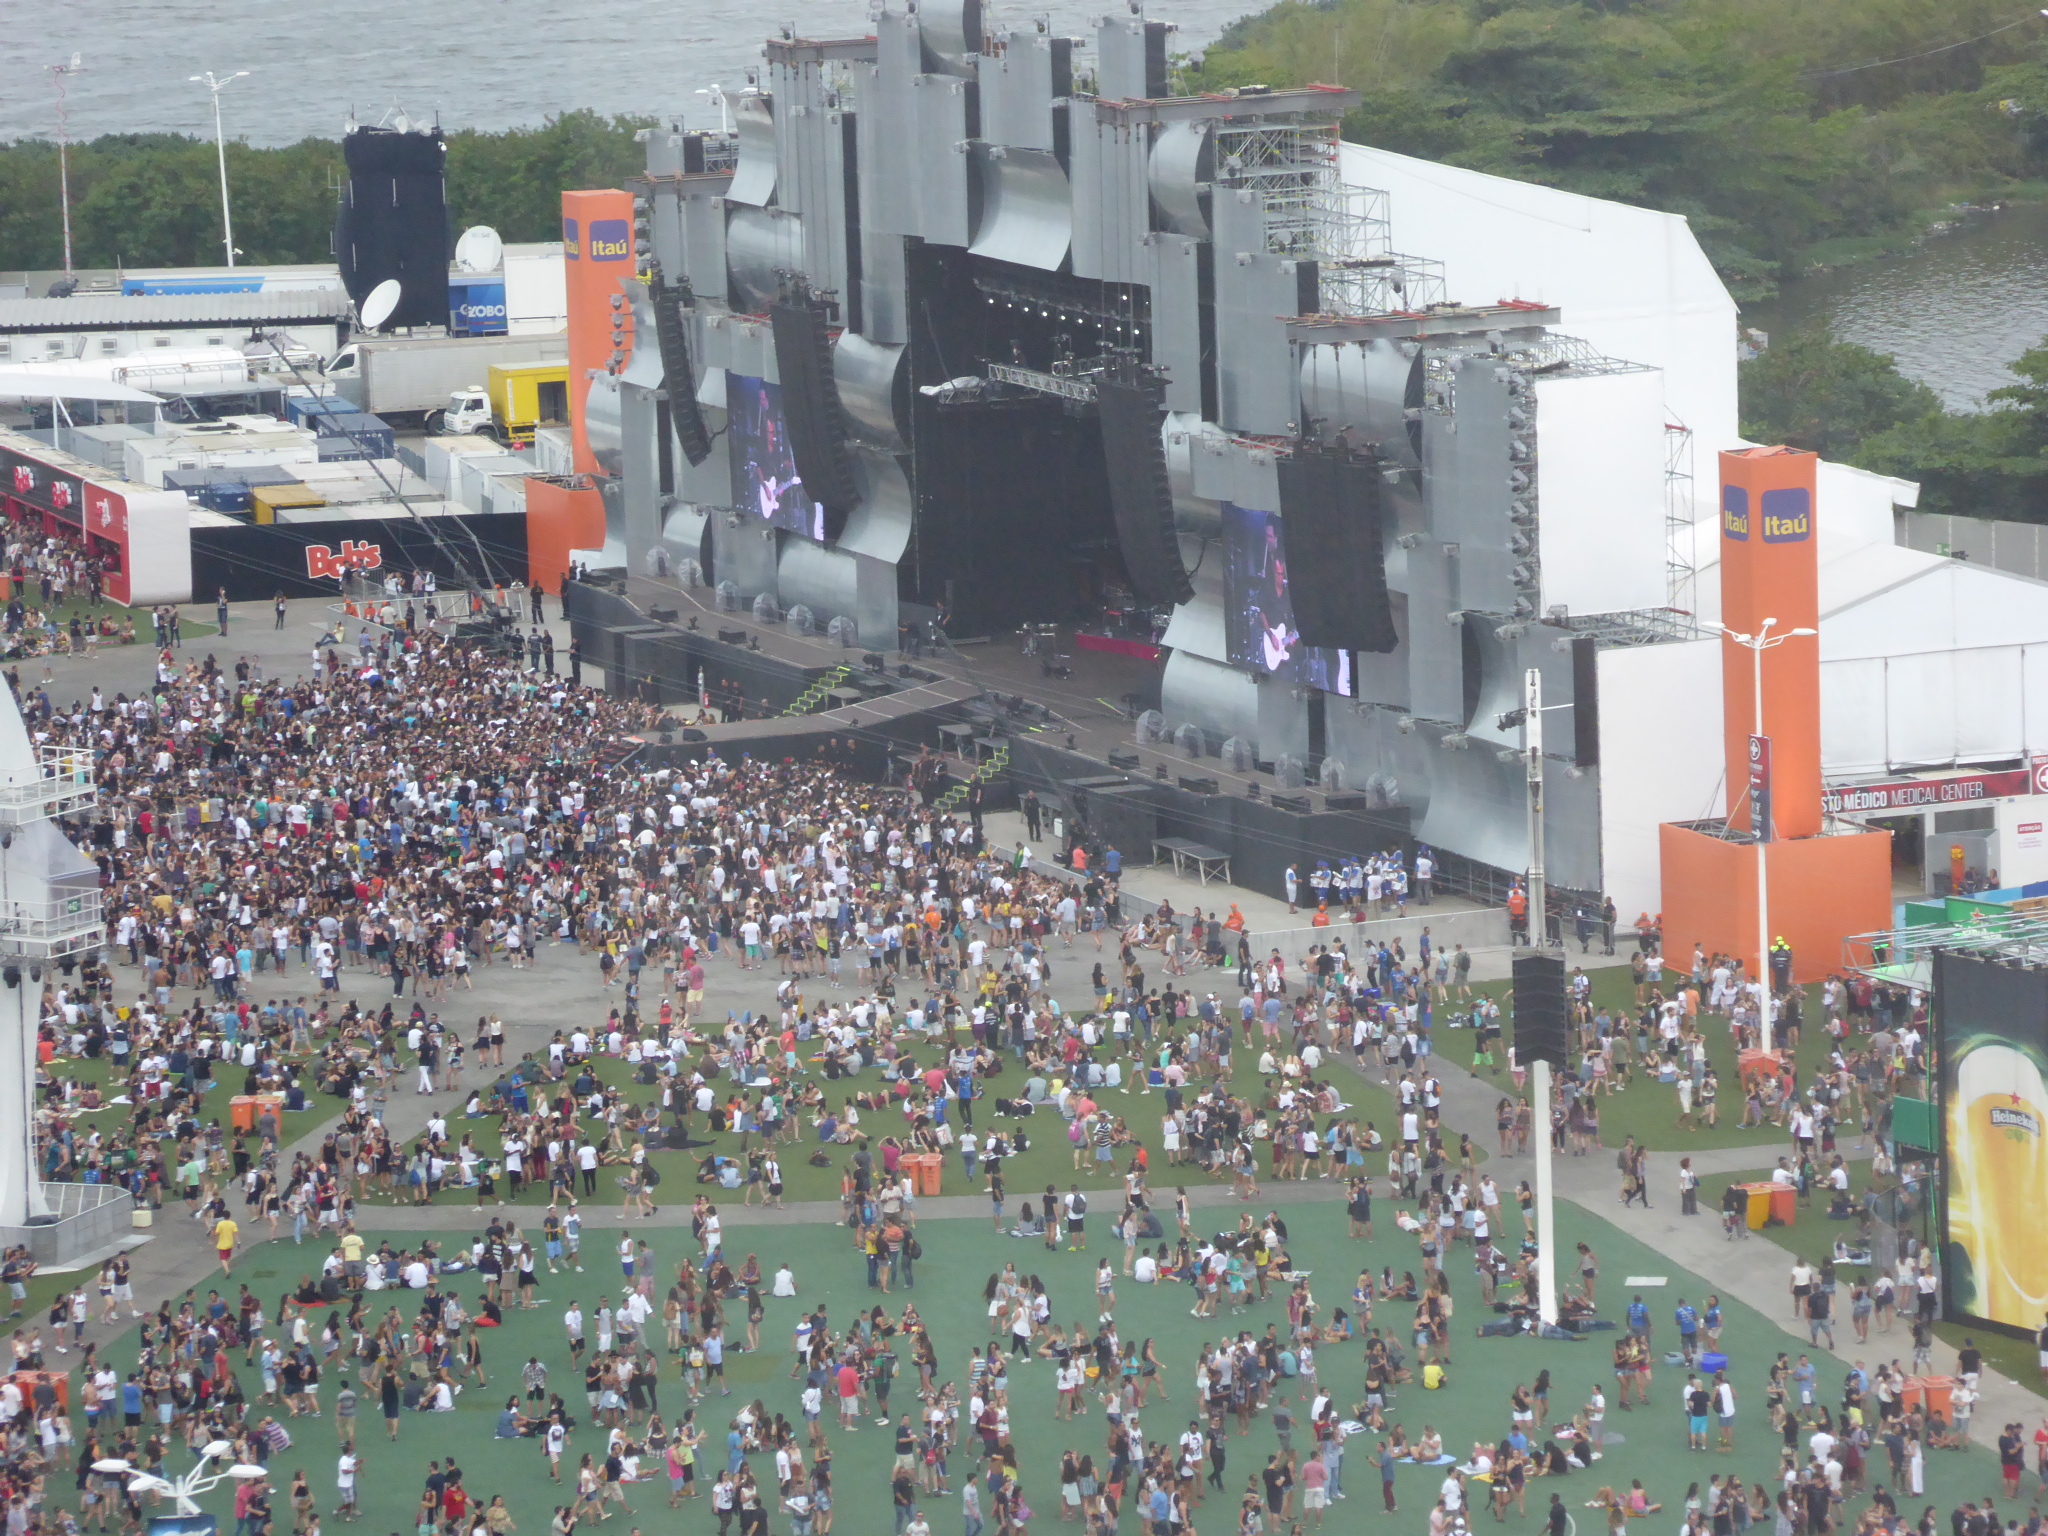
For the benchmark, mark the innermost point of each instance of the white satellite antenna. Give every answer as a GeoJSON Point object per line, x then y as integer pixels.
{"type": "Point", "coordinates": [479, 250]}
{"type": "Point", "coordinates": [380, 303]}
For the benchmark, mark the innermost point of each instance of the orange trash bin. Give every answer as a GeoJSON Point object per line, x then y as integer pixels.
{"type": "Point", "coordinates": [1936, 1392]}
{"type": "Point", "coordinates": [928, 1169]}
{"type": "Point", "coordinates": [26, 1380]}
{"type": "Point", "coordinates": [242, 1112]}
{"type": "Point", "coordinates": [1785, 1203]}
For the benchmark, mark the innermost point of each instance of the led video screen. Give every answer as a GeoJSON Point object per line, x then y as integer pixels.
{"type": "Point", "coordinates": [1259, 629]}
{"type": "Point", "coordinates": [1992, 1028]}
{"type": "Point", "coordinates": [765, 481]}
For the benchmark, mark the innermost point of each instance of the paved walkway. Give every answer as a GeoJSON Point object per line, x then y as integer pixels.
{"type": "Point", "coordinates": [1755, 1272]}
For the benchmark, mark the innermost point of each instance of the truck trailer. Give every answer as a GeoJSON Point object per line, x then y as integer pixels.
{"type": "Point", "coordinates": [402, 379]}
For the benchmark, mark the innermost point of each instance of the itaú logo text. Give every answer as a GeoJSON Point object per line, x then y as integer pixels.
{"type": "Point", "coordinates": [1788, 516]}
{"type": "Point", "coordinates": [610, 240]}
{"type": "Point", "coordinates": [1734, 512]}
{"type": "Point", "coordinates": [322, 562]}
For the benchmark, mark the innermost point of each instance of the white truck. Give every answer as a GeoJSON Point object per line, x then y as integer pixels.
{"type": "Point", "coordinates": [403, 378]}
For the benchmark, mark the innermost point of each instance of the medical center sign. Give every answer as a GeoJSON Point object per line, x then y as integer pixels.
{"type": "Point", "coordinates": [1919, 794]}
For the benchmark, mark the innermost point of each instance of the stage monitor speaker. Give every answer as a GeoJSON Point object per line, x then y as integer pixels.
{"type": "Point", "coordinates": [393, 221]}
{"type": "Point", "coordinates": [672, 304]}
{"type": "Point", "coordinates": [1539, 1009]}
{"type": "Point", "coordinates": [1336, 563]}
{"type": "Point", "coordinates": [810, 406]}
{"type": "Point", "coordinates": [1585, 701]}
{"type": "Point", "coordinates": [1138, 490]}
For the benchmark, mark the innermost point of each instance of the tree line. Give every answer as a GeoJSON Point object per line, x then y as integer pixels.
{"type": "Point", "coordinates": [153, 200]}
{"type": "Point", "coordinates": [1788, 131]}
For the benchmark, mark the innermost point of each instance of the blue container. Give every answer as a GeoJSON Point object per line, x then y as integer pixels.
{"type": "Point", "coordinates": [372, 436]}
{"type": "Point", "coordinates": [225, 496]}
{"type": "Point", "coordinates": [1712, 1363]}
{"type": "Point", "coordinates": [304, 410]}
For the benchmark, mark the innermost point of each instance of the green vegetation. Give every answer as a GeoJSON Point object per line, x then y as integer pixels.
{"type": "Point", "coordinates": [1850, 403]}
{"type": "Point", "coordinates": [152, 200]}
{"type": "Point", "coordinates": [1762, 122]}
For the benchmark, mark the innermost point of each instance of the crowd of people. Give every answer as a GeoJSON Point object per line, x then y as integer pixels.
{"type": "Point", "coordinates": [357, 843]}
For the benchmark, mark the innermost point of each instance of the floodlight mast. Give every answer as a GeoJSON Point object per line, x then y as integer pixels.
{"type": "Point", "coordinates": [59, 75]}
{"type": "Point", "coordinates": [216, 84]}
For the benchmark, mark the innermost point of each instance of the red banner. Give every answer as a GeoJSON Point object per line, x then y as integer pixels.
{"type": "Point", "coordinates": [1918, 794]}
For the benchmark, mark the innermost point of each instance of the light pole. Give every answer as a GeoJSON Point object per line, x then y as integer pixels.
{"type": "Point", "coordinates": [59, 75]}
{"type": "Point", "coordinates": [1760, 813]}
{"type": "Point", "coordinates": [216, 84]}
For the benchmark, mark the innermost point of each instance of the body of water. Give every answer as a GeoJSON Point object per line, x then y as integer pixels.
{"type": "Point", "coordinates": [1955, 310]}
{"type": "Point", "coordinates": [486, 64]}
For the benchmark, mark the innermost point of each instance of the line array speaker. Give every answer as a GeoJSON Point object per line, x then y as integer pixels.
{"type": "Point", "coordinates": [393, 221]}
{"type": "Point", "coordinates": [1585, 701]}
{"type": "Point", "coordinates": [810, 405]}
{"type": "Point", "coordinates": [1138, 490]}
{"type": "Point", "coordinates": [1539, 1009]}
{"type": "Point", "coordinates": [1336, 562]}
{"type": "Point", "coordinates": [672, 305]}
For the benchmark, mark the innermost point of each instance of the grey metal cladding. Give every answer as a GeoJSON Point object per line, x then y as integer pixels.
{"type": "Point", "coordinates": [1255, 374]}
{"type": "Point", "coordinates": [1468, 482]}
{"type": "Point", "coordinates": [879, 527]}
{"type": "Point", "coordinates": [1220, 699]}
{"type": "Point", "coordinates": [1225, 469]}
{"type": "Point", "coordinates": [1112, 212]}
{"type": "Point", "coordinates": [1184, 433]}
{"type": "Point", "coordinates": [1026, 212]}
{"type": "Point", "coordinates": [760, 244]}
{"type": "Point", "coordinates": [1018, 88]}
{"type": "Point", "coordinates": [808, 572]}
{"type": "Point", "coordinates": [753, 181]}
{"type": "Point", "coordinates": [1175, 281]}
{"type": "Point", "coordinates": [703, 224]}
{"type": "Point", "coordinates": [870, 376]}
{"type": "Point", "coordinates": [744, 554]}
{"type": "Point", "coordinates": [1120, 64]}
{"type": "Point", "coordinates": [1283, 718]}
{"type": "Point", "coordinates": [1478, 806]}
{"type": "Point", "coordinates": [1382, 678]}
{"type": "Point", "coordinates": [1436, 647]}
{"type": "Point", "coordinates": [663, 207]}
{"type": "Point", "coordinates": [800, 108]}
{"type": "Point", "coordinates": [1361, 388]}
{"type": "Point", "coordinates": [951, 32]}
{"type": "Point", "coordinates": [887, 126]}
{"type": "Point", "coordinates": [884, 310]}
{"type": "Point", "coordinates": [664, 152]}
{"type": "Point", "coordinates": [825, 194]}
{"type": "Point", "coordinates": [1182, 166]}
{"type": "Point", "coordinates": [942, 169]}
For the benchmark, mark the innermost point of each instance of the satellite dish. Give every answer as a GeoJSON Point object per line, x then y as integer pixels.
{"type": "Point", "coordinates": [479, 250]}
{"type": "Point", "coordinates": [380, 304]}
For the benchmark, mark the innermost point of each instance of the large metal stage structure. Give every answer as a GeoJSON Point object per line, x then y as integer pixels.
{"type": "Point", "coordinates": [997, 327]}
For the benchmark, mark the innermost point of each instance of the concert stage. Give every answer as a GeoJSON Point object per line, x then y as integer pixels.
{"type": "Point", "coordinates": [1071, 738]}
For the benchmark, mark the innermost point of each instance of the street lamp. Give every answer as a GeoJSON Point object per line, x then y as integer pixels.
{"type": "Point", "coordinates": [1759, 813]}
{"type": "Point", "coordinates": [216, 84]}
{"type": "Point", "coordinates": [184, 1488]}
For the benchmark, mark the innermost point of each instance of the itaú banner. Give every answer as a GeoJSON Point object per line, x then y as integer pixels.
{"type": "Point", "coordinates": [1917, 794]}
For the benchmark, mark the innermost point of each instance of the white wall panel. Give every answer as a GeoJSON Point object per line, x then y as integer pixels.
{"type": "Point", "coordinates": [1919, 694]}
{"type": "Point", "coordinates": [1852, 718]}
{"type": "Point", "coordinates": [1660, 758]}
{"type": "Point", "coordinates": [1632, 281]}
{"type": "Point", "coordinates": [1600, 491]}
{"type": "Point", "coordinates": [2034, 697]}
{"type": "Point", "coordinates": [1987, 699]}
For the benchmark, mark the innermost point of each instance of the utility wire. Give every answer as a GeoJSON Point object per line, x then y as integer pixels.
{"type": "Point", "coordinates": [1907, 58]}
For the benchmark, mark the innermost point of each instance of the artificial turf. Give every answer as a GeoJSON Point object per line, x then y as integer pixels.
{"type": "Point", "coordinates": [960, 1254]}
